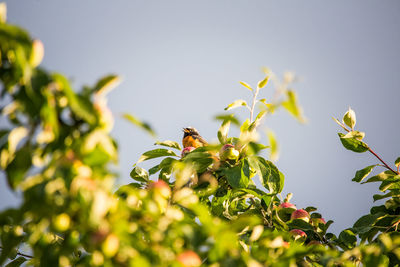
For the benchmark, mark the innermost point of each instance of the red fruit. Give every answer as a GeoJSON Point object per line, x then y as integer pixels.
{"type": "Point", "coordinates": [187, 150]}
{"type": "Point", "coordinates": [287, 205]}
{"type": "Point", "coordinates": [300, 214]}
{"type": "Point", "coordinates": [189, 258]}
{"type": "Point", "coordinates": [298, 233]}
{"type": "Point", "coordinates": [161, 187]}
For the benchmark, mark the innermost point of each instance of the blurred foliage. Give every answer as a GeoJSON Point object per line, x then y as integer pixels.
{"type": "Point", "coordinates": [203, 208]}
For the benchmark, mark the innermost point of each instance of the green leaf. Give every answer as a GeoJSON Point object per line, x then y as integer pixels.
{"type": "Point", "coordinates": [293, 107]}
{"type": "Point", "coordinates": [380, 177]}
{"type": "Point", "coordinates": [17, 262]}
{"type": "Point", "coordinates": [246, 85]}
{"type": "Point", "coordinates": [169, 143]}
{"type": "Point", "coordinates": [363, 224]}
{"type": "Point", "coordinates": [228, 117]}
{"type": "Point", "coordinates": [397, 162]}
{"type": "Point", "coordinates": [273, 144]}
{"type": "Point", "coordinates": [353, 144]}
{"type": "Point", "coordinates": [106, 84]}
{"type": "Point", "coordinates": [140, 174]}
{"type": "Point", "coordinates": [348, 238]}
{"type": "Point", "coordinates": [361, 174]}
{"type": "Point", "coordinates": [239, 175]}
{"type": "Point", "coordinates": [236, 103]}
{"type": "Point", "coordinates": [80, 106]}
{"type": "Point", "coordinates": [390, 183]}
{"type": "Point", "coordinates": [156, 153]}
{"type": "Point", "coordinates": [379, 197]}
{"type": "Point", "coordinates": [270, 176]}
{"type": "Point", "coordinates": [19, 166]}
{"type": "Point", "coordinates": [299, 224]}
{"type": "Point", "coordinates": [199, 160]}
{"type": "Point", "coordinates": [263, 83]}
{"type": "Point", "coordinates": [143, 125]}
{"type": "Point", "coordinates": [223, 131]}
{"type": "Point", "coordinates": [257, 120]}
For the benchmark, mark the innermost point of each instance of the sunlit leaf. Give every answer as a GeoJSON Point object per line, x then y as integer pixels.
{"type": "Point", "coordinates": [156, 153]}
{"type": "Point", "coordinates": [223, 131]}
{"type": "Point", "coordinates": [397, 162]}
{"type": "Point", "coordinates": [273, 144]}
{"type": "Point", "coordinates": [270, 176]}
{"type": "Point", "coordinates": [263, 83]}
{"type": "Point", "coordinates": [353, 144]}
{"type": "Point", "coordinates": [143, 125]}
{"type": "Point", "coordinates": [169, 143]}
{"type": "Point", "coordinates": [106, 84]}
{"type": "Point", "coordinates": [236, 103]}
{"type": "Point", "coordinates": [140, 174]}
{"type": "Point", "coordinates": [246, 85]}
{"type": "Point", "coordinates": [228, 117]}
{"type": "Point", "coordinates": [293, 107]}
{"type": "Point", "coordinates": [361, 174]}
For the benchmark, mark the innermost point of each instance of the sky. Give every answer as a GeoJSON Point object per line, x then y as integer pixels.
{"type": "Point", "coordinates": [181, 62]}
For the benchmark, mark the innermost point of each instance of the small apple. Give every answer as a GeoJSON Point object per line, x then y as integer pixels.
{"type": "Point", "coordinates": [228, 152]}
{"type": "Point", "coordinates": [110, 245]}
{"type": "Point", "coordinates": [298, 234]}
{"type": "Point", "coordinates": [187, 150]}
{"type": "Point", "coordinates": [189, 258]}
{"type": "Point", "coordinates": [160, 188]}
{"type": "Point", "coordinates": [300, 214]}
{"type": "Point", "coordinates": [287, 205]}
{"type": "Point", "coordinates": [62, 222]}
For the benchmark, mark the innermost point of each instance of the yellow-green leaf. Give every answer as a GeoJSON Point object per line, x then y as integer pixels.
{"type": "Point", "coordinates": [236, 103]}
{"type": "Point", "coordinates": [143, 125]}
{"type": "Point", "coordinates": [274, 150]}
{"type": "Point", "coordinates": [293, 107]}
{"type": "Point", "coordinates": [263, 83]}
{"type": "Point", "coordinates": [246, 85]}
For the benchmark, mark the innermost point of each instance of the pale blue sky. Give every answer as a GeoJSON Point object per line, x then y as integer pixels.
{"type": "Point", "coordinates": [181, 62]}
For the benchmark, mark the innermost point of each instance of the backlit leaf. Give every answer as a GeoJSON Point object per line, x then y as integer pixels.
{"type": "Point", "coordinates": [246, 85]}
{"type": "Point", "coordinates": [156, 153]}
{"type": "Point", "coordinates": [140, 174]}
{"type": "Point", "coordinates": [236, 103]}
{"type": "Point", "coordinates": [273, 144]}
{"type": "Point", "coordinates": [263, 83]}
{"type": "Point", "coordinates": [169, 143]}
{"type": "Point", "coordinates": [361, 174]}
{"type": "Point", "coordinates": [143, 125]}
{"type": "Point", "coordinates": [293, 107]}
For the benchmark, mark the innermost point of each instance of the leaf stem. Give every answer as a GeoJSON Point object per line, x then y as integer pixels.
{"type": "Point", "coordinates": [253, 104]}
{"type": "Point", "coordinates": [381, 160]}
{"type": "Point", "coordinates": [384, 163]}
{"type": "Point", "coordinates": [21, 254]}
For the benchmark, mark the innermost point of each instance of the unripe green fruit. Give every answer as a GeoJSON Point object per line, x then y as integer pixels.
{"type": "Point", "coordinates": [228, 152]}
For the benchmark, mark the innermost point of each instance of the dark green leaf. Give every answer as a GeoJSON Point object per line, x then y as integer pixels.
{"type": "Point", "coordinates": [361, 174]}
{"type": "Point", "coordinates": [239, 175]}
{"type": "Point", "coordinates": [169, 143]}
{"type": "Point", "coordinates": [140, 174]}
{"type": "Point", "coordinates": [156, 153]}
{"type": "Point", "coordinates": [81, 107]}
{"type": "Point", "coordinates": [380, 177]}
{"type": "Point", "coordinates": [199, 160]}
{"type": "Point", "coordinates": [18, 167]}
{"type": "Point", "coordinates": [379, 197]}
{"type": "Point", "coordinates": [348, 238]}
{"type": "Point", "coordinates": [17, 262]}
{"type": "Point", "coordinates": [353, 144]}
{"type": "Point", "coordinates": [299, 224]}
{"type": "Point", "coordinates": [390, 183]}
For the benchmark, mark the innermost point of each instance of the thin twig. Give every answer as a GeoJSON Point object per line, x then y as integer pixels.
{"type": "Point", "coordinates": [21, 254]}
{"type": "Point", "coordinates": [373, 153]}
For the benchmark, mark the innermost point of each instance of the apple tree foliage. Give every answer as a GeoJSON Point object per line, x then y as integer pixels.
{"type": "Point", "coordinates": [199, 207]}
